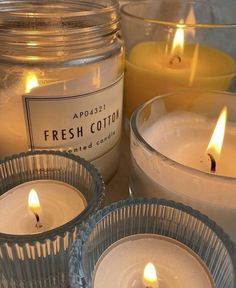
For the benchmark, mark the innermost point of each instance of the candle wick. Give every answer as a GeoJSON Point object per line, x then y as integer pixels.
{"type": "Point", "coordinates": [174, 58]}
{"type": "Point", "coordinates": [213, 163]}
{"type": "Point", "coordinates": [38, 224]}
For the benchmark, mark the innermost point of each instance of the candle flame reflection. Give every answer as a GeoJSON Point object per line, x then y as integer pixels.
{"type": "Point", "coordinates": [33, 201]}
{"type": "Point", "coordinates": [178, 42]}
{"type": "Point", "coordinates": [31, 82]}
{"type": "Point", "coordinates": [191, 20]}
{"type": "Point", "coordinates": [150, 278]}
{"type": "Point", "coordinates": [215, 145]}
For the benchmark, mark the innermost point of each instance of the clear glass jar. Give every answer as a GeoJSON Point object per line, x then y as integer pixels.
{"type": "Point", "coordinates": [62, 79]}
{"type": "Point", "coordinates": [198, 35]}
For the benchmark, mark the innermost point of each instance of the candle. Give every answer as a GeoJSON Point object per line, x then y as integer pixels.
{"type": "Point", "coordinates": [148, 72]}
{"type": "Point", "coordinates": [178, 160]}
{"type": "Point", "coordinates": [186, 248]}
{"type": "Point", "coordinates": [154, 67]}
{"type": "Point", "coordinates": [55, 203]}
{"type": "Point", "coordinates": [122, 264]}
{"type": "Point", "coordinates": [91, 132]}
{"type": "Point", "coordinates": [45, 197]}
{"type": "Point", "coordinates": [83, 115]}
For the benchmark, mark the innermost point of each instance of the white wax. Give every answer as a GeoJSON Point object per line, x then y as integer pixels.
{"type": "Point", "coordinates": [184, 137]}
{"type": "Point", "coordinates": [122, 264]}
{"type": "Point", "coordinates": [59, 202]}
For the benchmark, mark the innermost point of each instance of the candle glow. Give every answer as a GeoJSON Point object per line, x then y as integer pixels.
{"type": "Point", "coordinates": [215, 145]}
{"type": "Point", "coordinates": [150, 279]}
{"type": "Point", "coordinates": [31, 82]}
{"type": "Point", "coordinates": [178, 42]}
{"type": "Point", "coordinates": [33, 201]}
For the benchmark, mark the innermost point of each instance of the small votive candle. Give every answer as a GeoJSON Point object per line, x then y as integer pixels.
{"type": "Point", "coordinates": [184, 246]}
{"type": "Point", "coordinates": [45, 196]}
{"type": "Point", "coordinates": [175, 263]}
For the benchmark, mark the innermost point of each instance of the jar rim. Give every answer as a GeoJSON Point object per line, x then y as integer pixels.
{"type": "Point", "coordinates": [126, 10]}
{"type": "Point", "coordinates": [55, 8]}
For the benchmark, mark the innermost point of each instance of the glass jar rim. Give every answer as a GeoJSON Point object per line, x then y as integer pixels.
{"type": "Point", "coordinates": [70, 225]}
{"type": "Point", "coordinates": [135, 131]}
{"type": "Point", "coordinates": [125, 11]}
{"type": "Point", "coordinates": [98, 8]}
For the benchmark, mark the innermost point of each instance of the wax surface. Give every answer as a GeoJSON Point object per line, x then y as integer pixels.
{"type": "Point", "coordinates": [122, 264]}
{"type": "Point", "coordinates": [149, 72]}
{"type": "Point", "coordinates": [184, 137]}
{"type": "Point", "coordinates": [59, 202]}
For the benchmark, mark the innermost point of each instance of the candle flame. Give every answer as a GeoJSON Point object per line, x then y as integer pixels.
{"type": "Point", "coordinates": [150, 278]}
{"type": "Point", "coordinates": [215, 145]}
{"type": "Point", "coordinates": [191, 20]}
{"type": "Point", "coordinates": [33, 201]}
{"type": "Point", "coordinates": [31, 82]}
{"type": "Point", "coordinates": [178, 42]}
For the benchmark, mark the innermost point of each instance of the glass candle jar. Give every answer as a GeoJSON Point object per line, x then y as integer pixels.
{"type": "Point", "coordinates": [61, 79]}
{"type": "Point", "coordinates": [69, 190]}
{"type": "Point", "coordinates": [171, 156]}
{"type": "Point", "coordinates": [176, 44]}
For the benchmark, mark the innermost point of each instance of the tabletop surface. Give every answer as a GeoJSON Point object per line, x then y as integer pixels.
{"type": "Point", "coordinates": [118, 187]}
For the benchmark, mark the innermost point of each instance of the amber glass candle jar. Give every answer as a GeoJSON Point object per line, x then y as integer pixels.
{"type": "Point", "coordinates": [61, 65]}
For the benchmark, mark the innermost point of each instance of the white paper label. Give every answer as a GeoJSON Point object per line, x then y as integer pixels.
{"type": "Point", "coordinates": [87, 125]}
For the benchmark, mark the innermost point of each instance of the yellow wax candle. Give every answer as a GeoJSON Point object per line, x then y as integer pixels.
{"type": "Point", "coordinates": [151, 70]}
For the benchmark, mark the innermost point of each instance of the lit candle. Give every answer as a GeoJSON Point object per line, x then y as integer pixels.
{"type": "Point", "coordinates": [122, 264]}
{"type": "Point", "coordinates": [150, 276]}
{"type": "Point", "coordinates": [39, 206]}
{"type": "Point", "coordinates": [34, 206]}
{"type": "Point", "coordinates": [154, 68]}
{"type": "Point", "coordinates": [91, 131]}
{"type": "Point", "coordinates": [201, 153]}
{"type": "Point", "coordinates": [199, 170]}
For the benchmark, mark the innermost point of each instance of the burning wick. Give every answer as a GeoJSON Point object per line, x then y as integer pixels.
{"type": "Point", "coordinates": [34, 205]}
{"type": "Point", "coordinates": [178, 44]}
{"type": "Point", "coordinates": [174, 59]}
{"type": "Point", "coordinates": [217, 138]}
{"type": "Point", "coordinates": [38, 224]}
{"type": "Point", "coordinates": [213, 163]}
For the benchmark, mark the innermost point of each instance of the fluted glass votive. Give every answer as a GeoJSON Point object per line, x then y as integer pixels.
{"type": "Point", "coordinates": [45, 197]}
{"type": "Point", "coordinates": [186, 247]}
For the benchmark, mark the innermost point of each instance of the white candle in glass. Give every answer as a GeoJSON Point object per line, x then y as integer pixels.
{"type": "Point", "coordinates": [59, 203]}
{"type": "Point", "coordinates": [183, 137]}
{"type": "Point", "coordinates": [122, 264]}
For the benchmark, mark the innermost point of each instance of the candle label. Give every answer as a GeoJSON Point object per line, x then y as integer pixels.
{"type": "Point", "coordinates": [88, 125]}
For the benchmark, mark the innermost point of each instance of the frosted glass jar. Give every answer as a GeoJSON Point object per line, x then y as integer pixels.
{"type": "Point", "coordinates": [61, 84]}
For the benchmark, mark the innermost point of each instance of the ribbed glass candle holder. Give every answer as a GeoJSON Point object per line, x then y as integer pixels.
{"type": "Point", "coordinates": [153, 218]}
{"type": "Point", "coordinates": [41, 259]}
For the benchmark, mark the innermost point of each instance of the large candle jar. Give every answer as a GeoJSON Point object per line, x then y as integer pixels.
{"type": "Point", "coordinates": [175, 44]}
{"type": "Point", "coordinates": [61, 65]}
{"type": "Point", "coordinates": [183, 149]}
